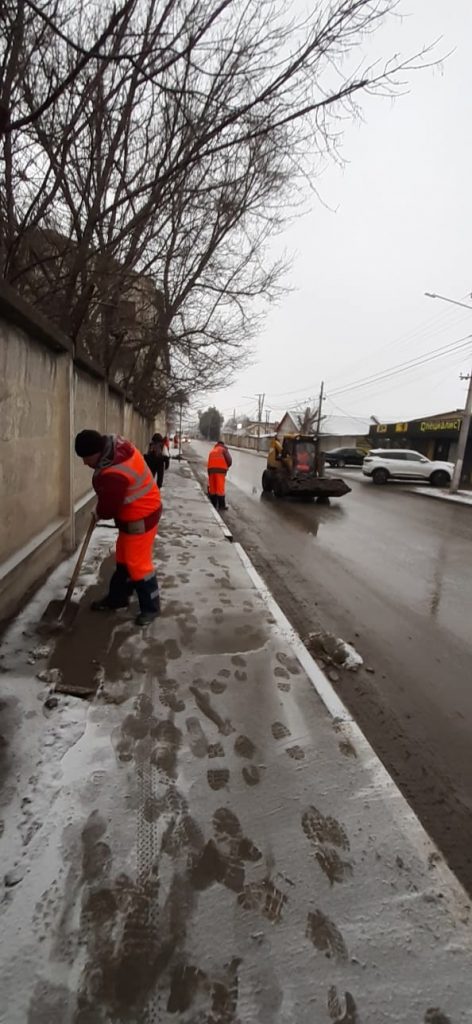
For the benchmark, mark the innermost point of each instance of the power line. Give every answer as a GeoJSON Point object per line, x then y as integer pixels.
{"type": "Point", "coordinates": [461, 343]}
{"type": "Point", "coordinates": [441, 321]}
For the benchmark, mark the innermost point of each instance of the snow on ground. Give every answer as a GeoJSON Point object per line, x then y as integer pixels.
{"type": "Point", "coordinates": [30, 769]}
{"type": "Point", "coordinates": [461, 498]}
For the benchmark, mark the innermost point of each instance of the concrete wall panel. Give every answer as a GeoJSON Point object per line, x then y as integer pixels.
{"type": "Point", "coordinates": [44, 401]}
{"type": "Point", "coordinates": [32, 428]}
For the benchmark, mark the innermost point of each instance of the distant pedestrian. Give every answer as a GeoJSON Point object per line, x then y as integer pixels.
{"type": "Point", "coordinates": [219, 461]}
{"type": "Point", "coordinates": [155, 458]}
{"type": "Point", "coordinates": [166, 452]}
{"type": "Point", "coordinates": [128, 494]}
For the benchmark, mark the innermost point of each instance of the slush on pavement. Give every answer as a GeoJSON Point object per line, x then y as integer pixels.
{"type": "Point", "coordinates": [201, 841]}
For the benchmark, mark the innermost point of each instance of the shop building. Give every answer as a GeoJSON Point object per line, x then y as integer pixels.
{"type": "Point", "coordinates": [434, 436]}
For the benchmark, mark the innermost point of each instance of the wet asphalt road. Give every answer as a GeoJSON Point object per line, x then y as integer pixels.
{"type": "Point", "coordinates": [389, 572]}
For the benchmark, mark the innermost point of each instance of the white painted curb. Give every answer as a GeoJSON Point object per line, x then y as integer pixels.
{"type": "Point", "coordinates": [225, 529]}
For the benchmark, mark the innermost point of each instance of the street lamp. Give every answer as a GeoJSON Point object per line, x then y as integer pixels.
{"type": "Point", "coordinates": [181, 397]}
{"type": "Point", "coordinates": [466, 419]}
{"type": "Point", "coordinates": [455, 302]}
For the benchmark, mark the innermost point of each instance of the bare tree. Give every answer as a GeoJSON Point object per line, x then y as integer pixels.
{"type": "Point", "coordinates": [147, 164]}
{"type": "Point", "coordinates": [307, 420]}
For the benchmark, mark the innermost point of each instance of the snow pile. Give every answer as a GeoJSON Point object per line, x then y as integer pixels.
{"type": "Point", "coordinates": [353, 659]}
{"type": "Point", "coordinates": [331, 650]}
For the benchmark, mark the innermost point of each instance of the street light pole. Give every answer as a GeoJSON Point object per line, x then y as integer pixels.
{"type": "Point", "coordinates": [444, 298]}
{"type": "Point", "coordinates": [260, 408]}
{"type": "Point", "coordinates": [180, 428]}
{"type": "Point", "coordinates": [467, 417]}
{"type": "Point", "coordinates": [463, 436]}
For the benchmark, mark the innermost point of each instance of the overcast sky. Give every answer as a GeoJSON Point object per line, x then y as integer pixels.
{"type": "Point", "coordinates": [398, 224]}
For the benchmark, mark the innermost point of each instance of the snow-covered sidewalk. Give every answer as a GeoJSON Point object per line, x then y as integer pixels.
{"type": "Point", "coordinates": [459, 498]}
{"type": "Point", "coordinates": [203, 841]}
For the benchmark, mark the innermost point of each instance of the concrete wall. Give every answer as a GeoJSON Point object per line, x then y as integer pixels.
{"type": "Point", "coordinates": [246, 441]}
{"type": "Point", "coordinates": [44, 400]}
{"type": "Point", "coordinates": [348, 441]}
{"type": "Point", "coordinates": [32, 422]}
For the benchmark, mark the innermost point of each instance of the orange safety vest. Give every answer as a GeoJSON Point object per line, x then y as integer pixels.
{"type": "Point", "coordinates": [217, 469]}
{"type": "Point", "coordinates": [303, 462]}
{"type": "Point", "coordinates": [142, 497]}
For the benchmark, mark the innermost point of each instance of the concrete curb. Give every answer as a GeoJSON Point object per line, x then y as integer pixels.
{"type": "Point", "coordinates": [225, 529]}
{"type": "Point", "coordinates": [248, 451]}
{"type": "Point", "coordinates": [342, 717]}
{"type": "Point", "coordinates": [454, 499]}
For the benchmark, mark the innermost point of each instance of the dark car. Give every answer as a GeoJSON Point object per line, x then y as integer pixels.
{"type": "Point", "coordinates": [344, 457]}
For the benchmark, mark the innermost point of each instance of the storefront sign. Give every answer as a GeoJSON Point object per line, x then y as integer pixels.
{"type": "Point", "coordinates": [428, 426]}
{"type": "Point", "coordinates": [447, 428]}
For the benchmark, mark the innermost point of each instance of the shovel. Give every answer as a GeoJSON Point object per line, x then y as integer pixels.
{"type": "Point", "coordinates": [60, 614]}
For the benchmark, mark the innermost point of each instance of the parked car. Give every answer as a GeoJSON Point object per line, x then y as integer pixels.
{"type": "Point", "coordinates": [383, 465]}
{"type": "Point", "coordinates": [344, 457]}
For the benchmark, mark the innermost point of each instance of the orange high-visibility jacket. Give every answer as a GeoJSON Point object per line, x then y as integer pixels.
{"type": "Point", "coordinates": [142, 497]}
{"type": "Point", "coordinates": [217, 467]}
{"type": "Point", "coordinates": [303, 461]}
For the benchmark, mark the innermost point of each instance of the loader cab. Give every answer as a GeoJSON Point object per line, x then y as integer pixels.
{"type": "Point", "coordinates": [304, 455]}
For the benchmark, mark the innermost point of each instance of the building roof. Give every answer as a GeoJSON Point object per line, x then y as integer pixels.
{"type": "Point", "coordinates": [336, 426]}
{"type": "Point", "coordinates": [345, 426]}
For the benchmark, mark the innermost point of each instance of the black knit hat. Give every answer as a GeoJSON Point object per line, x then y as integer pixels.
{"type": "Point", "coordinates": [89, 442]}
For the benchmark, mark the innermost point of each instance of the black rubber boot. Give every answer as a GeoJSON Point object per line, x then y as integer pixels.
{"type": "Point", "coordinates": [103, 605]}
{"type": "Point", "coordinates": [119, 591]}
{"type": "Point", "coordinates": [145, 618]}
{"type": "Point", "coordinates": [149, 602]}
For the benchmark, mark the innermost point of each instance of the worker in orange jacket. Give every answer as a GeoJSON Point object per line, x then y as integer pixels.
{"type": "Point", "coordinates": [219, 461]}
{"type": "Point", "coordinates": [303, 463]}
{"type": "Point", "coordinates": [128, 494]}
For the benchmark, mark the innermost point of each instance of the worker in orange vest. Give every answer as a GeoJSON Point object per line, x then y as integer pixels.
{"type": "Point", "coordinates": [303, 459]}
{"type": "Point", "coordinates": [128, 494]}
{"type": "Point", "coordinates": [219, 461]}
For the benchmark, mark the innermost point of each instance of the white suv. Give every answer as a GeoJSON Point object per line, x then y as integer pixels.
{"type": "Point", "coordinates": [383, 464]}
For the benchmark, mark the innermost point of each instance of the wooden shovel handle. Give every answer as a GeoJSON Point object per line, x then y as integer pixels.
{"type": "Point", "coordinates": [78, 565]}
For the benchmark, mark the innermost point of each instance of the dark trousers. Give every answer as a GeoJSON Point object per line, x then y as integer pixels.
{"type": "Point", "coordinates": [160, 470]}
{"type": "Point", "coordinates": [121, 588]}
{"type": "Point", "coordinates": [218, 501]}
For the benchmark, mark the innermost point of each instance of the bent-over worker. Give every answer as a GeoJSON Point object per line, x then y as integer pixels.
{"type": "Point", "coordinates": [128, 494]}
{"type": "Point", "coordinates": [219, 461]}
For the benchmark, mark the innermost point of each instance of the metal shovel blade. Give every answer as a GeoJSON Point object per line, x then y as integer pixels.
{"type": "Point", "coordinates": [56, 617]}
{"type": "Point", "coordinates": [61, 614]}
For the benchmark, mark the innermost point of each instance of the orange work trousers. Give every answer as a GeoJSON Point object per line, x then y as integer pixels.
{"type": "Point", "coordinates": [135, 551]}
{"type": "Point", "coordinates": [217, 484]}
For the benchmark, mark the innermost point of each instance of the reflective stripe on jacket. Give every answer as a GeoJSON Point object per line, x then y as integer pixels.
{"type": "Point", "coordinates": [142, 496]}
{"type": "Point", "coordinates": [216, 461]}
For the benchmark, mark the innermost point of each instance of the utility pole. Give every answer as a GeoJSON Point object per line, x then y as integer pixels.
{"type": "Point", "coordinates": [260, 408]}
{"type": "Point", "coordinates": [180, 428]}
{"type": "Point", "coordinates": [318, 428]}
{"type": "Point", "coordinates": [463, 436]}
{"type": "Point", "coordinates": [320, 405]}
{"type": "Point", "coordinates": [466, 419]}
